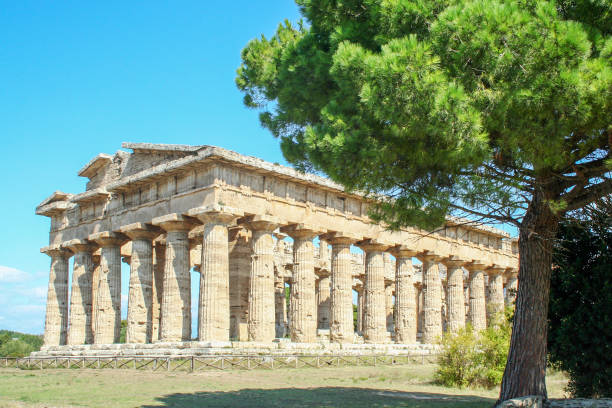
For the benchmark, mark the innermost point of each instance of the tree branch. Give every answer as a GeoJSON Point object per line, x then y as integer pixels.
{"type": "Point", "coordinates": [588, 195]}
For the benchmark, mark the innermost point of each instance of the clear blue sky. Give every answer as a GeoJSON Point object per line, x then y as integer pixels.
{"type": "Point", "coordinates": [79, 78]}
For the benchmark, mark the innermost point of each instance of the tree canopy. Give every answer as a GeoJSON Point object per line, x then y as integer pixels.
{"type": "Point", "coordinates": [495, 110]}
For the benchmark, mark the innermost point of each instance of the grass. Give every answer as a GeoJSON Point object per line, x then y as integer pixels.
{"type": "Point", "coordinates": [398, 386]}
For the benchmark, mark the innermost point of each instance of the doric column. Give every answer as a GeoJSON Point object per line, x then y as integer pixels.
{"type": "Point", "coordinates": [280, 308]}
{"type": "Point", "coordinates": [56, 320]}
{"type": "Point", "coordinates": [341, 328]}
{"type": "Point", "coordinates": [176, 298]}
{"type": "Point", "coordinates": [108, 303]}
{"type": "Point", "coordinates": [261, 318]}
{"type": "Point", "coordinates": [389, 288]}
{"type": "Point", "coordinates": [511, 285]}
{"type": "Point", "coordinates": [303, 304]}
{"type": "Point", "coordinates": [418, 287]}
{"type": "Point", "coordinates": [405, 296]}
{"type": "Point", "coordinates": [432, 298]}
{"type": "Point", "coordinates": [140, 297]}
{"type": "Point", "coordinates": [323, 302]}
{"type": "Point", "coordinates": [95, 281]}
{"type": "Point", "coordinates": [360, 305]}
{"type": "Point", "coordinates": [80, 330]}
{"type": "Point", "coordinates": [455, 300]}
{"type": "Point", "coordinates": [159, 263]}
{"type": "Point", "coordinates": [375, 313]}
{"type": "Point", "coordinates": [496, 292]}
{"type": "Point", "coordinates": [214, 302]}
{"type": "Point", "coordinates": [477, 315]}
{"type": "Point", "coordinates": [240, 271]}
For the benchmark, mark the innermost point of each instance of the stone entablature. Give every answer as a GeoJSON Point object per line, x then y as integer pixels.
{"type": "Point", "coordinates": [184, 206]}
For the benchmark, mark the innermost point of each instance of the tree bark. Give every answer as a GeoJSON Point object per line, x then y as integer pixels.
{"type": "Point", "coordinates": [525, 370]}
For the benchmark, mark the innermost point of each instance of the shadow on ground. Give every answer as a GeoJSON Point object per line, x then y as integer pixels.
{"type": "Point", "coordinates": [320, 397]}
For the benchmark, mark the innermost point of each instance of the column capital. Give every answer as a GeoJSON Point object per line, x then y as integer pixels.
{"type": "Point", "coordinates": [108, 238]}
{"type": "Point", "coordinates": [347, 238]}
{"type": "Point", "coordinates": [373, 245]}
{"type": "Point", "coordinates": [216, 213]}
{"type": "Point", "coordinates": [511, 272]}
{"type": "Point", "coordinates": [261, 222]}
{"type": "Point", "coordinates": [402, 251]}
{"type": "Point", "coordinates": [55, 251]}
{"type": "Point", "coordinates": [141, 230]}
{"type": "Point", "coordinates": [428, 256]}
{"type": "Point", "coordinates": [495, 270]}
{"type": "Point", "coordinates": [475, 265]}
{"type": "Point", "coordinates": [174, 222]}
{"type": "Point", "coordinates": [79, 245]}
{"type": "Point", "coordinates": [453, 262]}
{"type": "Point", "coordinates": [306, 231]}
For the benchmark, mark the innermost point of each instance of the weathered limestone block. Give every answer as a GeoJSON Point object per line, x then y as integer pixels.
{"type": "Point", "coordinates": [405, 297]}
{"type": "Point", "coordinates": [496, 292]}
{"type": "Point", "coordinates": [455, 300]}
{"type": "Point", "coordinates": [140, 298]}
{"type": "Point", "coordinates": [176, 298]}
{"type": "Point", "coordinates": [432, 298]}
{"type": "Point", "coordinates": [108, 303]}
{"type": "Point", "coordinates": [159, 263]}
{"type": "Point", "coordinates": [375, 314]}
{"type": "Point", "coordinates": [341, 328]}
{"type": "Point", "coordinates": [56, 320]}
{"type": "Point", "coordinates": [511, 285]}
{"type": "Point", "coordinates": [261, 318]}
{"type": "Point", "coordinates": [240, 271]}
{"type": "Point", "coordinates": [80, 330]}
{"type": "Point", "coordinates": [214, 303]}
{"type": "Point", "coordinates": [477, 315]}
{"type": "Point", "coordinates": [303, 304]}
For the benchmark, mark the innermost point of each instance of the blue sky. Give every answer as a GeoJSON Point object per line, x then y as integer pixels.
{"type": "Point", "coordinates": [79, 78]}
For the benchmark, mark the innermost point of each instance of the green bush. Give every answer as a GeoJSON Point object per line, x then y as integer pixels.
{"type": "Point", "coordinates": [475, 359]}
{"type": "Point", "coordinates": [14, 344]}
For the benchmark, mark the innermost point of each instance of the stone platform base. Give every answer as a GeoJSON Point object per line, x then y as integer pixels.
{"type": "Point", "coordinates": [197, 348]}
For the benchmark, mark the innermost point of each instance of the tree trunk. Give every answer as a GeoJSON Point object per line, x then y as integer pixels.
{"type": "Point", "coordinates": [526, 366]}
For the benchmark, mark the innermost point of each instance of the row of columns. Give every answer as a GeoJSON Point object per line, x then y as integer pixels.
{"type": "Point", "coordinates": [330, 305]}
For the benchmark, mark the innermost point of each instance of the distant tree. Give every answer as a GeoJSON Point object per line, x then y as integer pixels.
{"type": "Point", "coordinates": [580, 319]}
{"type": "Point", "coordinates": [496, 110]}
{"type": "Point", "coordinates": [15, 344]}
{"type": "Point", "coordinates": [123, 332]}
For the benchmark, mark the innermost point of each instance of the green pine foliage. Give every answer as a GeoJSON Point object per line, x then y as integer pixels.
{"type": "Point", "coordinates": [15, 344]}
{"type": "Point", "coordinates": [475, 359]}
{"type": "Point", "coordinates": [580, 318]}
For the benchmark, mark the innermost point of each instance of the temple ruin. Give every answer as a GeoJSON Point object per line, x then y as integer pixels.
{"type": "Point", "coordinates": [251, 229]}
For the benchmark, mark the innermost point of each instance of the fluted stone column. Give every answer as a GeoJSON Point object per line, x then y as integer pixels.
{"type": "Point", "coordinates": [261, 318]}
{"type": "Point", "coordinates": [432, 298]}
{"type": "Point", "coordinates": [240, 271]}
{"type": "Point", "coordinates": [419, 306]}
{"type": "Point", "coordinates": [280, 308]}
{"type": "Point", "coordinates": [341, 328]}
{"type": "Point", "coordinates": [176, 297]}
{"type": "Point", "coordinates": [56, 320]}
{"type": "Point", "coordinates": [511, 285]}
{"type": "Point", "coordinates": [95, 281]}
{"type": "Point", "coordinates": [389, 288]}
{"type": "Point", "coordinates": [140, 297]}
{"type": "Point", "coordinates": [375, 313]}
{"type": "Point", "coordinates": [214, 303]}
{"type": "Point", "coordinates": [477, 315]}
{"type": "Point", "coordinates": [360, 305]}
{"type": "Point", "coordinates": [324, 302]}
{"type": "Point", "coordinates": [80, 329]}
{"type": "Point", "coordinates": [159, 263]}
{"type": "Point", "coordinates": [496, 292]}
{"type": "Point", "coordinates": [303, 306]}
{"type": "Point", "coordinates": [405, 297]}
{"type": "Point", "coordinates": [108, 313]}
{"type": "Point", "coordinates": [455, 300]}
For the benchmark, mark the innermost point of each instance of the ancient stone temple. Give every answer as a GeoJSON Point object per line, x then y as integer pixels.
{"type": "Point", "coordinates": [253, 230]}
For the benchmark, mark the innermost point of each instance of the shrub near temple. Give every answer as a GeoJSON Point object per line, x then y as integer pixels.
{"type": "Point", "coordinates": [471, 358]}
